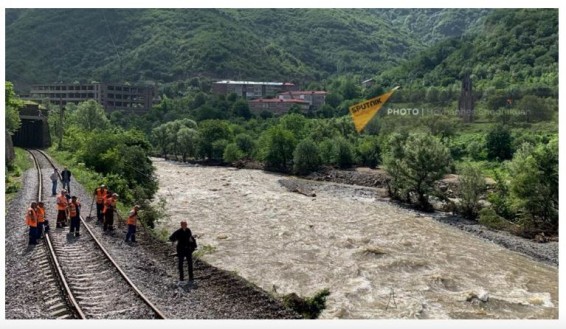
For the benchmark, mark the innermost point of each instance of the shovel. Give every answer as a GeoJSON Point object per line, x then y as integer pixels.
{"type": "Point", "coordinates": [89, 217]}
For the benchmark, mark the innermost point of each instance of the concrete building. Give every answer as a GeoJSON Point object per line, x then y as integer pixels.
{"type": "Point", "coordinates": [315, 98]}
{"type": "Point", "coordinates": [112, 97]}
{"type": "Point", "coordinates": [251, 89]}
{"type": "Point", "coordinates": [276, 106]}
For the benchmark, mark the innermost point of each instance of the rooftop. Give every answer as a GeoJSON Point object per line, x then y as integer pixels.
{"type": "Point", "coordinates": [279, 100]}
{"type": "Point", "coordinates": [230, 82]}
{"type": "Point", "coordinates": [305, 92]}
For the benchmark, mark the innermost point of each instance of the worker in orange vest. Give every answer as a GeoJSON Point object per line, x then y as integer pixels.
{"type": "Point", "coordinates": [62, 205]}
{"type": "Point", "coordinates": [31, 221]}
{"type": "Point", "coordinates": [40, 220]}
{"type": "Point", "coordinates": [100, 195]}
{"type": "Point", "coordinates": [132, 221]}
{"type": "Point", "coordinates": [75, 213]}
{"type": "Point", "coordinates": [109, 207]}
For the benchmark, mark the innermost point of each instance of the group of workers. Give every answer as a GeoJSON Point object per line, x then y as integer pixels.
{"type": "Point", "coordinates": [69, 208]}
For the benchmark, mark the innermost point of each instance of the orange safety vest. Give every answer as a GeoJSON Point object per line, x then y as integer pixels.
{"type": "Point", "coordinates": [31, 218]}
{"type": "Point", "coordinates": [62, 202]}
{"type": "Point", "coordinates": [110, 201]}
{"type": "Point", "coordinates": [40, 215]}
{"type": "Point", "coordinates": [73, 209]}
{"type": "Point", "coordinates": [100, 195]}
{"type": "Point", "coordinates": [132, 218]}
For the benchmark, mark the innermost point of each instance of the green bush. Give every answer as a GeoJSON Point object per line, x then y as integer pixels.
{"type": "Point", "coordinates": [499, 144]}
{"type": "Point", "coordinates": [218, 147]}
{"type": "Point", "coordinates": [343, 153]}
{"type": "Point", "coordinates": [279, 146]}
{"type": "Point", "coordinates": [369, 152]}
{"type": "Point", "coordinates": [414, 165]}
{"type": "Point", "coordinates": [245, 143]}
{"type": "Point", "coordinates": [476, 151]}
{"type": "Point", "coordinates": [310, 307]}
{"type": "Point", "coordinates": [232, 153]}
{"type": "Point", "coordinates": [326, 151]}
{"type": "Point", "coordinates": [499, 198]}
{"type": "Point", "coordinates": [534, 183]}
{"type": "Point", "coordinates": [306, 157]}
{"type": "Point", "coordinates": [472, 186]}
{"type": "Point", "coordinates": [489, 218]}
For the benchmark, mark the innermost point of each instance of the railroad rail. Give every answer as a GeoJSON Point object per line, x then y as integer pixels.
{"type": "Point", "coordinates": [92, 283]}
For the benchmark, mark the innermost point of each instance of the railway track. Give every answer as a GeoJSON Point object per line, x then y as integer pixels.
{"type": "Point", "coordinates": [90, 283]}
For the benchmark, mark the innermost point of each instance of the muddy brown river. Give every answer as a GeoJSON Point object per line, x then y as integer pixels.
{"type": "Point", "coordinates": [379, 261]}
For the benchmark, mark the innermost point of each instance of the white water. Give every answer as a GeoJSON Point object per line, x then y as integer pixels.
{"type": "Point", "coordinates": [379, 261]}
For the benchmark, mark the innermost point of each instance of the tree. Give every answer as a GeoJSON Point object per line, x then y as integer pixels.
{"type": "Point", "coordinates": [343, 153]}
{"type": "Point", "coordinates": [333, 99]}
{"type": "Point", "coordinates": [498, 144]}
{"type": "Point", "coordinates": [245, 144]}
{"type": "Point", "coordinates": [13, 104]}
{"type": "Point", "coordinates": [172, 128]}
{"type": "Point", "coordinates": [534, 184]}
{"type": "Point", "coordinates": [279, 147]}
{"type": "Point", "coordinates": [89, 116]}
{"type": "Point", "coordinates": [472, 186]}
{"type": "Point", "coordinates": [241, 109]}
{"type": "Point", "coordinates": [416, 166]}
{"type": "Point", "coordinates": [350, 90]}
{"type": "Point", "coordinates": [211, 131]}
{"type": "Point", "coordinates": [295, 123]}
{"type": "Point", "coordinates": [187, 140]}
{"type": "Point", "coordinates": [306, 157]}
{"type": "Point", "coordinates": [369, 152]}
{"type": "Point", "coordinates": [232, 153]}
{"type": "Point", "coordinates": [535, 108]}
{"type": "Point", "coordinates": [159, 135]}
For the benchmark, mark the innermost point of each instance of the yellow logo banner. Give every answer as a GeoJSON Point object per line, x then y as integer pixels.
{"type": "Point", "coordinates": [363, 112]}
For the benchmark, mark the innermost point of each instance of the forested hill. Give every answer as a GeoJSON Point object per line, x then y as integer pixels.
{"type": "Point", "coordinates": [137, 45]}
{"type": "Point", "coordinates": [513, 49]}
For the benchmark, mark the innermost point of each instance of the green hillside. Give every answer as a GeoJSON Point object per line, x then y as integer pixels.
{"type": "Point", "coordinates": [411, 47]}
{"type": "Point", "coordinates": [47, 45]}
{"type": "Point", "coordinates": [512, 49]}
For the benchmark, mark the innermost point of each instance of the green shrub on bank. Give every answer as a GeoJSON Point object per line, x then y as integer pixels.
{"type": "Point", "coordinates": [489, 218]}
{"type": "Point", "coordinates": [306, 157]}
{"type": "Point", "coordinates": [472, 186]}
{"type": "Point", "coordinates": [310, 307]}
{"type": "Point", "coordinates": [415, 163]}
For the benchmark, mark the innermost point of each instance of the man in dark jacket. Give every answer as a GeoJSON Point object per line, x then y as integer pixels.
{"type": "Point", "coordinates": [66, 179]}
{"type": "Point", "coordinates": [186, 244]}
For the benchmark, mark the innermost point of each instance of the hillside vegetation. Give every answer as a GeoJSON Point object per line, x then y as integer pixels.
{"type": "Point", "coordinates": [165, 45]}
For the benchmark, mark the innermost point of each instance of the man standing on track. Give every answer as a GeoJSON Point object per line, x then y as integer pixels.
{"type": "Point", "coordinates": [100, 195]}
{"type": "Point", "coordinates": [75, 213]}
{"type": "Point", "coordinates": [66, 179]}
{"type": "Point", "coordinates": [31, 221]}
{"type": "Point", "coordinates": [132, 221]}
{"type": "Point", "coordinates": [54, 178]}
{"type": "Point", "coordinates": [62, 204]}
{"type": "Point", "coordinates": [109, 207]}
{"type": "Point", "coordinates": [40, 212]}
{"type": "Point", "coordinates": [185, 246]}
